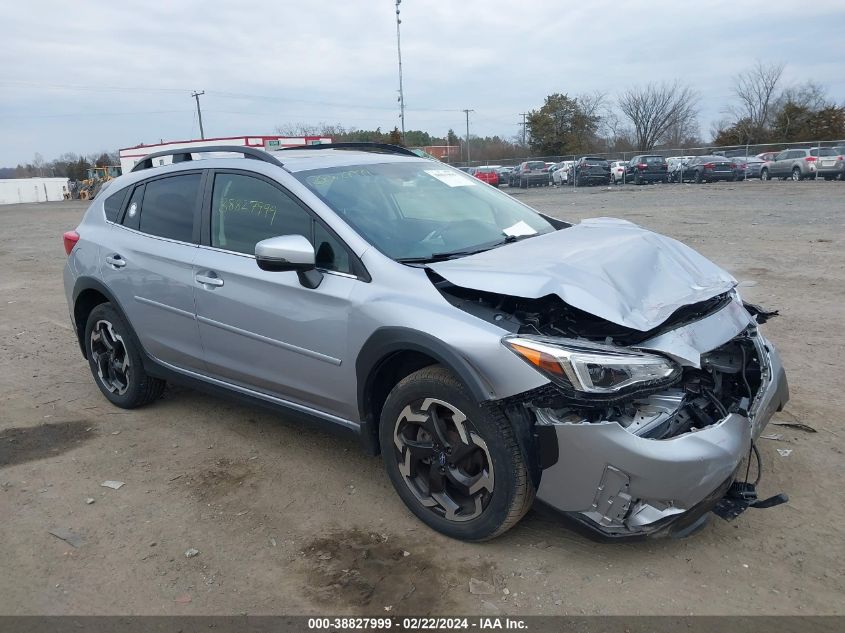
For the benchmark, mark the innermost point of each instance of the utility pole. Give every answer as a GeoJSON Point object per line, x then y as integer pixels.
{"type": "Point", "coordinates": [524, 125]}
{"type": "Point", "coordinates": [466, 111]}
{"type": "Point", "coordinates": [196, 95]}
{"type": "Point", "coordinates": [399, 52]}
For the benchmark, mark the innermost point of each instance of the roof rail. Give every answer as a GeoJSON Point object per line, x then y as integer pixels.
{"type": "Point", "coordinates": [382, 148]}
{"type": "Point", "coordinates": [183, 154]}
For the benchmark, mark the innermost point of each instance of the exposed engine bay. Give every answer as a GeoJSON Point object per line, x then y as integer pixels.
{"type": "Point", "coordinates": [726, 382]}
{"type": "Point", "coordinates": [550, 316]}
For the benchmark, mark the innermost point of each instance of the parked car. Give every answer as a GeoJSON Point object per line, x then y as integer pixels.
{"type": "Point", "coordinates": [749, 167]}
{"type": "Point", "coordinates": [490, 175]}
{"type": "Point", "coordinates": [490, 353]}
{"type": "Point", "coordinates": [530, 173]}
{"type": "Point", "coordinates": [675, 165]}
{"type": "Point", "coordinates": [553, 169]}
{"type": "Point", "coordinates": [589, 170]}
{"type": "Point", "coordinates": [617, 171]}
{"type": "Point", "coordinates": [797, 164]}
{"type": "Point", "coordinates": [709, 169]}
{"type": "Point", "coordinates": [831, 164]}
{"type": "Point", "coordinates": [504, 175]}
{"type": "Point", "coordinates": [561, 175]}
{"type": "Point", "coordinates": [647, 168]}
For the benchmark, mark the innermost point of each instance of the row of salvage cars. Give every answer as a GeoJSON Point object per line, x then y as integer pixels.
{"type": "Point", "coordinates": [794, 163]}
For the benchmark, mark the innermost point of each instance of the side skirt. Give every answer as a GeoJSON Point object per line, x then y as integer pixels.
{"type": "Point", "coordinates": [299, 413]}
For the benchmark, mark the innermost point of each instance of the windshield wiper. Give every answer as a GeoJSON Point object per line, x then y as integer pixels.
{"type": "Point", "coordinates": [446, 255]}
{"type": "Point", "coordinates": [439, 257]}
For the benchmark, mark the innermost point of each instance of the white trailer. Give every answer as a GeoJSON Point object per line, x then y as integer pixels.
{"type": "Point", "coordinates": [17, 190]}
{"type": "Point", "coordinates": [131, 155]}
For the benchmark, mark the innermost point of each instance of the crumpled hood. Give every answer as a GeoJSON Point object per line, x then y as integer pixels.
{"type": "Point", "coordinates": [611, 268]}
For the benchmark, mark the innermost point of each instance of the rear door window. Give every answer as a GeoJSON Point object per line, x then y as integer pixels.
{"type": "Point", "coordinates": [169, 207]}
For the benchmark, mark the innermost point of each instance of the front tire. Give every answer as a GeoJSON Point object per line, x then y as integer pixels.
{"type": "Point", "coordinates": [114, 356]}
{"type": "Point", "coordinates": [455, 465]}
{"type": "Point", "coordinates": [764, 174]}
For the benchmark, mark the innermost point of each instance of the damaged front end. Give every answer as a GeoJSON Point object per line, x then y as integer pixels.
{"type": "Point", "coordinates": [637, 433]}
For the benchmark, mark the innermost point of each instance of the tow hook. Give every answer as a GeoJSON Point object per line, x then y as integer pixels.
{"type": "Point", "coordinates": [741, 496]}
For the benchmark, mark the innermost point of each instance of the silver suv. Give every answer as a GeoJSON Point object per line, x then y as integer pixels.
{"type": "Point", "coordinates": [489, 352]}
{"type": "Point", "coordinates": [796, 164]}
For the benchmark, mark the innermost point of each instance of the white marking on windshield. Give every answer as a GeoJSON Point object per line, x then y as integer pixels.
{"type": "Point", "coordinates": [518, 229]}
{"type": "Point", "coordinates": [449, 177]}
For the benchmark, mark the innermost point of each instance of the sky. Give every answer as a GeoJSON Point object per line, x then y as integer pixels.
{"type": "Point", "coordinates": [82, 78]}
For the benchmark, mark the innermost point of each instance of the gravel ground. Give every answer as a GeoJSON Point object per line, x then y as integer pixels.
{"type": "Point", "coordinates": [292, 520]}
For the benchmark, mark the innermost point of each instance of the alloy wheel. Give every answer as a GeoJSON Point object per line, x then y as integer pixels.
{"type": "Point", "coordinates": [442, 460]}
{"type": "Point", "coordinates": [110, 356]}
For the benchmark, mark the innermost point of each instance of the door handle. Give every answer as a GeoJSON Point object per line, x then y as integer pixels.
{"type": "Point", "coordinates": [209, 281]}
{"type": "Point", "coordinates": [115, 261]}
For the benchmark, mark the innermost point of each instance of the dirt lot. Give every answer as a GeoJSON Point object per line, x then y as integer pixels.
{"type": "Point", "coordinates": [293, 520]}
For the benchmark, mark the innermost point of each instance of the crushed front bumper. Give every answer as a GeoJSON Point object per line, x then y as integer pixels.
{"type": "Point", "coordinates": [619, 484]}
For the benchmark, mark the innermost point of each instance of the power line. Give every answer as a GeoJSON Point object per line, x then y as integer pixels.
{"type": "Point", "coordinates": [524, 125]}
{"type": "Point", "coordinates": [196, 95]}
{"type": "Point", "coordinates": [399, 52]}
{"type": "Point", "coordinates": [467, 111]}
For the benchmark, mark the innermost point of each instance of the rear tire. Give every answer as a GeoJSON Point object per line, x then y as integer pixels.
{"type": "Point", "coordinates": [698, 178]}
{"type": "Point", "coordinates": [114, 356]}
{"type": "Point", "coordinates": [796, 174]}
{"type": "Point", "coordinates": [523, 183]}
{"type": "Point", "coordinates": [430, 419]}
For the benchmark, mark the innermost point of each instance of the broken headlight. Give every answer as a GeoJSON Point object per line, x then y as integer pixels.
{"type": "Point", "coordinates": [591, 368]}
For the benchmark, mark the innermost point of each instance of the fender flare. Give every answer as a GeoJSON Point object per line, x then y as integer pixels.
{"type": "Point", "coordinates": [90, 283]}
{"type": "Point", "coordinates": [385, 342]}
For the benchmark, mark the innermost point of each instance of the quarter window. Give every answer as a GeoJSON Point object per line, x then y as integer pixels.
{"type": "Point", "coordinates": [132, 217]}
{"type": "Point", "coordinates": [113, 205]}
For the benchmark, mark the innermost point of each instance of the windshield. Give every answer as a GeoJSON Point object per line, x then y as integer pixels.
{"type": "Point", "coordinates": [422, 210]}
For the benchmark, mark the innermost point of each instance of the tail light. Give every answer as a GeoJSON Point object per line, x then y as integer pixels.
{"type": "Point", "coordinates": [810, 159]}
{"type": "Point", "coordinates": [733, 165]}
{"type": "Point", "coordinates": [641, 166]}
{"type": "Point", "coordinates": [70, 238]}
{"type": "Point", "coordinates": [708, 165]}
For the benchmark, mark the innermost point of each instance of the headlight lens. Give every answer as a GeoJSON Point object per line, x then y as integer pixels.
{"type": "Point", "coordinates": [589, 367]}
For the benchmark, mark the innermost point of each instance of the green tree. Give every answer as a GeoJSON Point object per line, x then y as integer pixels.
{"type": "Point", "coordinates": [561, 126]}
{"type": "Point", "coordinates": [395, 137]}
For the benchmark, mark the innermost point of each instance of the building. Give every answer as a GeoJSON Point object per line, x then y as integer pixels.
{"type": "Point", "coordinates": [131, 155]}
{"type": "Point", "coordinates": [16, 190]}
{"type": "Point", "coordinates": [446, 153]}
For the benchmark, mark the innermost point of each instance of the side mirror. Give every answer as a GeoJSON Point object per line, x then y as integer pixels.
{"type": "Point", "coordinates": [289, 253]}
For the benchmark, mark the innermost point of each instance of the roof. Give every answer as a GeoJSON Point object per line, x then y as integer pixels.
{"type": "Point", "coordinates": [306, 159]}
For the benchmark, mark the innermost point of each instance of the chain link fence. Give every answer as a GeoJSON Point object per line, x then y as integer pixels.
{"type": "Point", "coordinates": [729, 151]}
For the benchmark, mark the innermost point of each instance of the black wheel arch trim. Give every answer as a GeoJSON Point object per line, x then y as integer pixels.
{"type": "Point", "coordinates": [388, 341]}
{"type": "Point", "coordinates": [83, 284]}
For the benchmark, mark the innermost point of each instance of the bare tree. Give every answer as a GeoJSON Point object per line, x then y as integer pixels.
{"type": "Point", "coordinates": [755, 90]}
{"type": "Point", "coordinates": [654, 109]}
